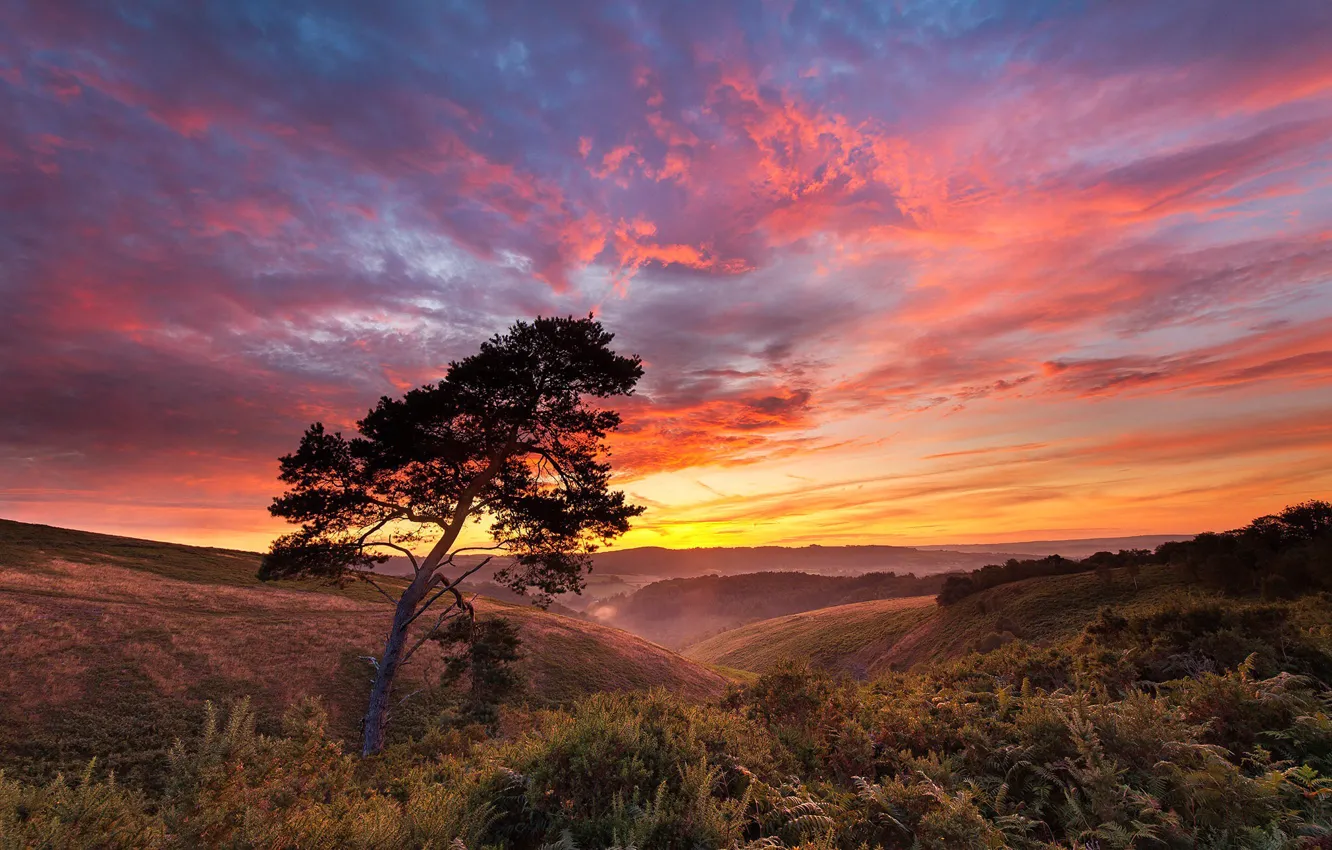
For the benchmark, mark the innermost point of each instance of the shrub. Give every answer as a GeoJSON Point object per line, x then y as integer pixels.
{"type": "Point", "coordinates": [621, 766]}
{"type": "Point", "coordinates": [91, 813]}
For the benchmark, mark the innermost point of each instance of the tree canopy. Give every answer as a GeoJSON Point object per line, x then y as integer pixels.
{"type": "Point", "coordinates": [507, 435]}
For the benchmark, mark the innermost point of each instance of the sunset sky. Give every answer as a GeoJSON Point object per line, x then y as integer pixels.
{"type": "Point", "coordinates": [900, 272]}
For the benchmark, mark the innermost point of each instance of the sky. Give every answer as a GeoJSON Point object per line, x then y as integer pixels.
{"type": "Point", "coordinates": [900, 272]}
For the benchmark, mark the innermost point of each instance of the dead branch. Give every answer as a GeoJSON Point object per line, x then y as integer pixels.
{"type": "Point", "coordinates": [443, 618]}
{"type": "Point", "coordinates": [451, 587]}
{"type": "Point", "coordinates": [366, 578]}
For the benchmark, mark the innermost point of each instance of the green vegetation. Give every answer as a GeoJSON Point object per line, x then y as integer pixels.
{"type": "Point", "coordinates": [27, 545]}
{"type": "Point", "coordinates": [34, 546]}
{"type": "Point", "coordinates": [1116, 708]}
{"type": "Point", "coordinates": [870, 638]}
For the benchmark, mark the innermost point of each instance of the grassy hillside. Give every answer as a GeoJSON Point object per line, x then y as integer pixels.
{"type": "Point", "coordinates": [850, 638]}
{"type": "Point", "coordinates": [679, 612]}
{"type": "Point", "coordinates": [27, 545]}
{"type": "Point", "coordinates": [1039, 610]}
{"type": "Point", "coordinates": [106, 641]}
{"type": "Point", "coordinates": [1178, 725]}
{"type": "Point", "coordinates": [869, 638]}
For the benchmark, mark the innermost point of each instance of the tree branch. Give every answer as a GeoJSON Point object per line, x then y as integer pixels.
{"type": "Point", "coordinates": [444, 617]}
{"type": "Point", "coordinates": [406, 513]}
{"type": "Point", "coordinates": [416, 568]}
{"type": "Point", "coordinates": [365, 577]}
{"type": "Point", "coordinates": [463, 507]}
{"type": "Point", "coordinates": [404, 699]}
{"type": "Point", "coordinates": [451, 587]}
{"type": "Point", "coordinates": [546, 455]}
{"type": "Point", "coordinates": [360, 541]}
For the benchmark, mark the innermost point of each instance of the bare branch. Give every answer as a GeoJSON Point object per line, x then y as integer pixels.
{"type": "Point", "coordinates": [360, 541]}
{"type": "Point", "coordinates": [416, 568]}
{"type": "Point", "coordinates": [443, 618]}
{"type": "Point", "coordinates": [545, 454]}
{"type": "Point", "coordinates": [404, 699]}
{"type": "Point", "coordinates": [406, 513]}
{"type": "Point", "coordinates": [450, 587]}
{"type": "Point", "coordinates": [374, 662]}
{"type": "Point", "coordinates": [365, 577]}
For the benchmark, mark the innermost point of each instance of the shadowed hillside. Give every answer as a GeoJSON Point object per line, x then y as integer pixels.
{"type": "Point", "coordinates": [106, 640]}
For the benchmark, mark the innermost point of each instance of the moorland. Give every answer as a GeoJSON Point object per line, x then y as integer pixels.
{"type": "Point", "coordinates": [157, 695]}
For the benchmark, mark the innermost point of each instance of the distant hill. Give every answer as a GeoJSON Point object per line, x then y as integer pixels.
{"type": "Point", "coordinates": [1077, 548]}
{"type": "Point", "coordinates": [655, 563]}
{"type": "Point", "coordinates": [105, 640]}
{"type": "Point", "coordinates": [827, 560]}
{"type": "Point", "coordinates": [870, 638]}
{"type": "Point", "coordinates": [680, 611]}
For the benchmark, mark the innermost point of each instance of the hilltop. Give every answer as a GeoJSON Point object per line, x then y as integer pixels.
{"type": "Point", "coordinates": [108, 641]}
{"type": "Point", "coordinates": [1079, 547]}
{"type": "Point", "coordinates": [828, 560]}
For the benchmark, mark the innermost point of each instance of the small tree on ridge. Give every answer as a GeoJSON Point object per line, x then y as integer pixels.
{"type": "Point", "coordinates": [508, 438]}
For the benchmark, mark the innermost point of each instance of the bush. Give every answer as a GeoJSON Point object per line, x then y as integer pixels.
{"type": "Point", "coordinates": [88, 814]}
{"type": "Point", "coordinates": [645, 769]}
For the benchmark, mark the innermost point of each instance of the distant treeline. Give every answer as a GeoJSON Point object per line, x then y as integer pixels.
{"type": "Point", "coordinates": [677, 612]}
{"type": "Point", "coordinates": [1278, 555]}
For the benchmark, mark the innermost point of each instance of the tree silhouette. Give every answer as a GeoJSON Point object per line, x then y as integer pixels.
{"type": "Point", "coordinates": [507, 438]}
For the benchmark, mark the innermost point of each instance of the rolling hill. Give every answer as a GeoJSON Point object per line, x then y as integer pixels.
{"type": "Point", "coordinates": [869, 638]}
{"type": "Point", "coordinates": [1076, 548]}
{"type": "Point", "coordinates": [105, 640]}
{"type": "Point", "coordinates": [850, 638]}
{"type": "Point", "coordinates": [654, 563]}
{"type": "Point", "coordinates": [682, 611]}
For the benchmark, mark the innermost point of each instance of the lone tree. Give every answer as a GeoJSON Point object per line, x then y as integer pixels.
{"type": "Point", "coordinates": [507, 438]}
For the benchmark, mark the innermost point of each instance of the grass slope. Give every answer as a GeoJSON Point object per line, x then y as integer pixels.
{"type": "Point", "coordinates": [869, 638]}
{"type": "Point", "coordinates": [105, 641]}
{"type": "Point", "coordinates": [1038, 610]}
{"type": "Point", "coordinates": [850, 638]}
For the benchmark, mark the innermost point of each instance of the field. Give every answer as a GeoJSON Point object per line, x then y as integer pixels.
{"type": "Point", "coordinates": [109, 647]}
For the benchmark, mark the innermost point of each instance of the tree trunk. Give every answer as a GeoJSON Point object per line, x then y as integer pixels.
{"type": "Point", "coordinates": [376, 715]}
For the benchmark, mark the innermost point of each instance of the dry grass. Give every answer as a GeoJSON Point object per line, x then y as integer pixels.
{"type": "Point", "coordinates": [1039, 610]}
{"type": "Point", "coordinates": [873, 637]}
{"type": "Point", "coordinates": [112, 644]}
{"type": "Point", "coordinates": [851, 638]}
